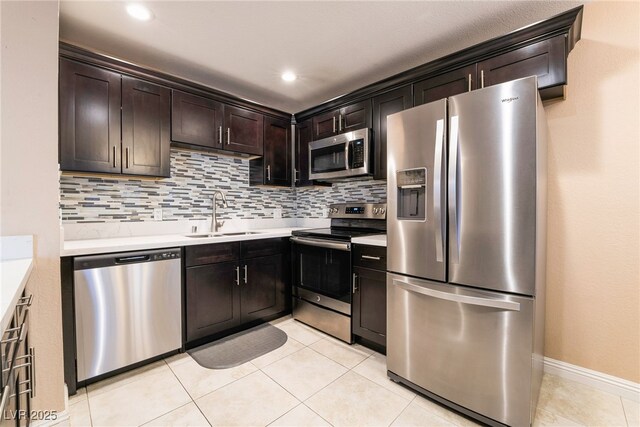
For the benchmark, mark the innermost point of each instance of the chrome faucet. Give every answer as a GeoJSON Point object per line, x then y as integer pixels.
{"type": "Point", "coordinates": [215, 224]}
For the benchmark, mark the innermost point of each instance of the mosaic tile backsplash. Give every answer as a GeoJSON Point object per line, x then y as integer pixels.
{"type": "Point", "coordinates": [187, 194]}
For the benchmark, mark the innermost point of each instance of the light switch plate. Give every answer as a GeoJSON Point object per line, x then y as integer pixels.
{"type": "Point", "coordinates": [277, 213]}
{"type": "Point", "coordinates": [157, 214]}
{"type": "Point", "coordinates": [325, 212]}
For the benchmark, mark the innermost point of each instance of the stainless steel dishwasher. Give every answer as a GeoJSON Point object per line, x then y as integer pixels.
{"type": "Point", "coordinates": [128, 309]}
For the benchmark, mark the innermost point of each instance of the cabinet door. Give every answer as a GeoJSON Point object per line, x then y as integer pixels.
{"type": "Point", "coordinates": [89, 118]}
{"type": "Point", "coordinates": [445, 85]}
{"type": "Point", "coordinates": [263, 287]}
{"type": "Point", "coordinates": [212, 300]}
{"type": "Point", "coordinates": [325, 125]}
{"type": "Point", "coordinates": [383, 105]}
{"type": "Point", "coordinates": [277, 152]}
{"type": "Point", "coordinates": [355, 116]}
{"type": "Point", "coordinates": [545, 59]}
{"type": "Point", "coordinates": [303, 138]}
{"type": "Point", "coordinates": [146, 113]}
{"type": "Point", "coordinates": [370, 305]}
{"type": "Point", "coordinates": [196, 120]}
{"type": "Point", "coordinates": [244, 130]}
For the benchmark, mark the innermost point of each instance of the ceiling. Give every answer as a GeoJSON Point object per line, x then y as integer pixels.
{"type": "Point", "coordinates": [242, 47]}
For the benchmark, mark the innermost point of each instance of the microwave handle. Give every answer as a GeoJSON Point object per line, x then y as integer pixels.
{"type": "Point", "coordinates": [347, 162]}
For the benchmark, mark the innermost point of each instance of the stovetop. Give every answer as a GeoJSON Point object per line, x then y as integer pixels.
{"type": "Point", "coordinates": [336, 233]}
{"type": "Point", "coordinates": [349, 220]}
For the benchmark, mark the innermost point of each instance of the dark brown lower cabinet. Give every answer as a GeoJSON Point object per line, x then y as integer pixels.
{"type": "Point", "coordinates": [222, 297]}
{"type": "Point", "coordinates": [262, 292]}
{"type": "Point", "coordinates": [370, 305]}
{"type": "Point", "coordinates": [369, 308]}
{"type": "Point", "coordinates": [213, 301]}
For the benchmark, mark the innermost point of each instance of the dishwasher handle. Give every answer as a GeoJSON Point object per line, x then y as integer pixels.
{"type": "Point", "coordinates": [130, 259]}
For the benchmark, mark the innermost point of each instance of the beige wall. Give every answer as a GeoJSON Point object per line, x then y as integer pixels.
{"type": "Point", "coordinates": [593, 278]}
{"type": "Point", "coordinates": [28, 173]}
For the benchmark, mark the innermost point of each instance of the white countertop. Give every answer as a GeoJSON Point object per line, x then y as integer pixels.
{"type": "Point", "coordinates": [15, 267]}
{"type": "Point", "coordinates": [373, 240]}
{"type": "Point", "coordinates": [122, 244]}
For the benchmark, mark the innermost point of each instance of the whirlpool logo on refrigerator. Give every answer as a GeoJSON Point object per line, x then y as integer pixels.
{"type": "Point", "coordinates": [508, 100]}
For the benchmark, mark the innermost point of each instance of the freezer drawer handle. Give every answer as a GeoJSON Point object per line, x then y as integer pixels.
{"type": "Point", "coordinates": [464, 299]}
{"type": "Point", "coordinates": [375, 258]}
{"type": "Point", "coordinates": [322, 243]}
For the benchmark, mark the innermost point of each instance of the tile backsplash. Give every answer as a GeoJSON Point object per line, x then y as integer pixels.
{"type": "Point", "coordinates": [187, 194]}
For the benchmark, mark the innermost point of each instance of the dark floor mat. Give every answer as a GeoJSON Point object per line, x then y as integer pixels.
{"type": "Point", "coordinates": [239, 348]}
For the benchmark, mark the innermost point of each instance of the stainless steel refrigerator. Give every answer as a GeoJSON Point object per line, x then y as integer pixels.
{"type": "Point", "coordinates": [466, 229]}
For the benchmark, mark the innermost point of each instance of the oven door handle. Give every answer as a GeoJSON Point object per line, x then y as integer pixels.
{"type": "Point", "coordinates": [341, 246]}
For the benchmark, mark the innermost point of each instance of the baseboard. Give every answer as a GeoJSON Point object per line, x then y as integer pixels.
{"type": "Point", "coordinates": [598, 380]}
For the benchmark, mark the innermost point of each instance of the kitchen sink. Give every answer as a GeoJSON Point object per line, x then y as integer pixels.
{"type": "Point", "coordinates": [237, 233]}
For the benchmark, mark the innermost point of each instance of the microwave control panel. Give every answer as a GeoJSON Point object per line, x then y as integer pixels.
{"type": "Point", "coordinates": [357, 153]}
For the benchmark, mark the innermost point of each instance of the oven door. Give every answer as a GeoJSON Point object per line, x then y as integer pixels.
{"type": "Point", "coordinates": [322, 272]}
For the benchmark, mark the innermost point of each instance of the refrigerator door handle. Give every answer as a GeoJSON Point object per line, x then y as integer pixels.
{"type": "Point", "coordinates": [453, 190]}
{"type": "Point", "coordinates": [437, 172]}
{"type": "Point", "coordinates": [463, 299]}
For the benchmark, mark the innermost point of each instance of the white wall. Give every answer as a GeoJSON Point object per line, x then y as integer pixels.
{"type": "Point", "coordinates": [29, 173]}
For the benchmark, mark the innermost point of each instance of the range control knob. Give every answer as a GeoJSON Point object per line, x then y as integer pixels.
{"type": "Point", "coordinates": [382, 211]}
{"type": "Point", "coordinates": [375, 211]}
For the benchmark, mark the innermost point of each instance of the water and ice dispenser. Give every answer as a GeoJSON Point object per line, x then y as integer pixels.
{"type": "Point", "coordinates": [412, 191]}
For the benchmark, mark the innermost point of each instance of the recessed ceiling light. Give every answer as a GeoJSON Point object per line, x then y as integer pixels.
{"type": "Point", "coordinates": [289, 76]}
{"type": "Point", "coordinates": [138, 11]}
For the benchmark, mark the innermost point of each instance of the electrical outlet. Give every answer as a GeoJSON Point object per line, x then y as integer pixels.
{"type": "Point", "coordinates": [325, 212]}
{"type": "Point", "coordinates": [277, 213]}
{"type": "Point", "coordinates": [157, 214]}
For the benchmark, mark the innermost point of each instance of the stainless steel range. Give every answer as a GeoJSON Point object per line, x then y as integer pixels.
{"type": "Point", "coordinates": [322, 266]}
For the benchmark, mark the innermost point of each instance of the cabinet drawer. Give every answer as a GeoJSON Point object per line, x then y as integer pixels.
{"type": "Point", "coordinates": [212, 253]}
{"type": "Point", "coordinates": [264, 247]}
{"type": "Point", "coordinates": [374, 257]}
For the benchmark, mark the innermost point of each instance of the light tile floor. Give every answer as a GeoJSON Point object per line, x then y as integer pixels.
{"type": "Point", "coordinates": [313, 380]}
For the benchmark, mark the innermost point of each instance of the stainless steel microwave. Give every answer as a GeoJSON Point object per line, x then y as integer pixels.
{"type": "Point", "coordinates": [341, 156]}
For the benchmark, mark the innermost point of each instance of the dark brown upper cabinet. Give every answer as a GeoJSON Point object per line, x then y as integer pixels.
{"type": "Point", "coordinates": [204, 122]}
{"type": "Point", "coordinates": [196, 120]}
{"type": "Point", "coordinates": [545, 59]}
{"type": "Point", "coordinates": [274, 167]}
{"type": "Point", "coordinates": [89, 118]}
{"type": "Point", "coordinates": [445, 85]}
{"type": "Point", "coordinates": [146, 126]}
{"type": "Point", "coordinates": [383, 105]}
{"type": "Point", "coordinates": [303, 138]}
{"type": "Point", "coordinates": [348, 118]}
{"type": "Point", "coordinates": [111, 123]}
{"type": "Point", "coordinates": [243, 130]}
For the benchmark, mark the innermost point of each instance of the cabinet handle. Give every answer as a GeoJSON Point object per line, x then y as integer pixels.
{"type": "Point", "coordinates": [220, 140]}
{"type": "Point", "coordinates": [268, 172]}
{"type": "Point", "coordinates": [245, 274]}
{"type": "Point", "coordinates": [375, 258]}
{"type": "Point", "coordinates": [127, 157]}
{"type": "Point", "coordinates": [228, 136]}
{"type": "Point", "coordinates": [481, 79]}
{"type": "Point", "coordinates": [340, 123]}
{"type": "Point", "coordinates": [238, 275]}
{"type": "Point", "coordinates": [295, 175]}
{"type": "Point", "coordinates": [469, 83]}
{"type": "Point", "coordinates": [334, 123]}
{"type": "Point", "coordinates": [114, 156]}
{"type": "Point", "coordinates": [355, 283]}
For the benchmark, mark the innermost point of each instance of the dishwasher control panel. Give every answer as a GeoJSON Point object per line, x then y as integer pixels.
{"type": "Point", "coordinates": [165, 255]}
